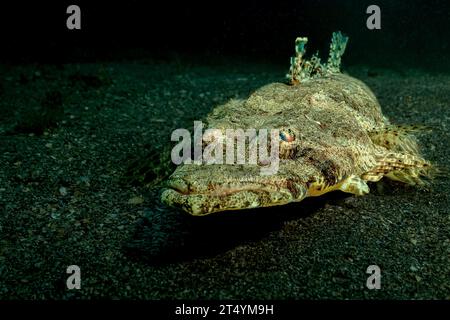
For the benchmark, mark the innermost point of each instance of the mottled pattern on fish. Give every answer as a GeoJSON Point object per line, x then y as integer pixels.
{"type": "Point", "coordinates": [340, 141]}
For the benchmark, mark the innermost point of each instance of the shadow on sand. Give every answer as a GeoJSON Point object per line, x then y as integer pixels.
{"type": "Point", "coordinates": [167, 235]}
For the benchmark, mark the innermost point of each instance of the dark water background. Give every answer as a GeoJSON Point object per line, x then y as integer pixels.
{"type": "Point", "coordinates": [413, 33]}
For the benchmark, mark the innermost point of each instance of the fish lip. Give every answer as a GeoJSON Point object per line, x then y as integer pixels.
{"type": "Point", "coordinates": [177, 190]}
{"type": "Point", "coordinates": [182, 188]}
{"type": "Point", "coordinates": [213, 192]}
{"type": "Point", "coordinates": [178, 185]}
{"type": "Point", "coordinates": [173, 197]}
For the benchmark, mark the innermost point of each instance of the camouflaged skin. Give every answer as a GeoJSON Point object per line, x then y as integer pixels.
{"type": "Point", "coordinates": [331, 117]}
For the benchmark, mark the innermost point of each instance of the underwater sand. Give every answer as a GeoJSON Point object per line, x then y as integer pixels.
{"type": "Point", "coordinates": [63, 199]}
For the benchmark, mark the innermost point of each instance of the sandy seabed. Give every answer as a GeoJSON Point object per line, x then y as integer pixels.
{"type": "Point", "coordinates": [68, 134]}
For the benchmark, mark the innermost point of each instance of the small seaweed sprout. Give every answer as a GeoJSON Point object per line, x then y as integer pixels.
{"type": "Point", "coordinates": [302, 69]}
{"type": "Point", "coordinates": [296, 71]}
{"type": "Point", "coordinates": [337, 49]}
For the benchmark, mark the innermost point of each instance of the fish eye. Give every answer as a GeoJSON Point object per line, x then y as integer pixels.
{"type": "Point", "coordinates": [287, 135]}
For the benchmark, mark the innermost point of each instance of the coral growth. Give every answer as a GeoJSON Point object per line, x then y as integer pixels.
{"type": "Point", "coordinates": [337, 49]}
{"type": "Point", "coordinates": [301, 69]}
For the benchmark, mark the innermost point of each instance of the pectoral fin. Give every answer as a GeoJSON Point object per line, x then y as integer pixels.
{"type": "Point", "coordinates": [406, 168]}
{"type": "Point", "coordinates": [354, 184]}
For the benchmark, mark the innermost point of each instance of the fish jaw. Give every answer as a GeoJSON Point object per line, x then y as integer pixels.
{"type": "Point", "coordinates": [197, 192]}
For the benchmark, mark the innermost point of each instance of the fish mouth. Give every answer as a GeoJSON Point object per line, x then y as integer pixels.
{"type": "Point", "coordinates": [220, 189]}
{"type": "Point", "coordinates": [216, 197]}
{"type": "Point", "coordinates": [178, 185]}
